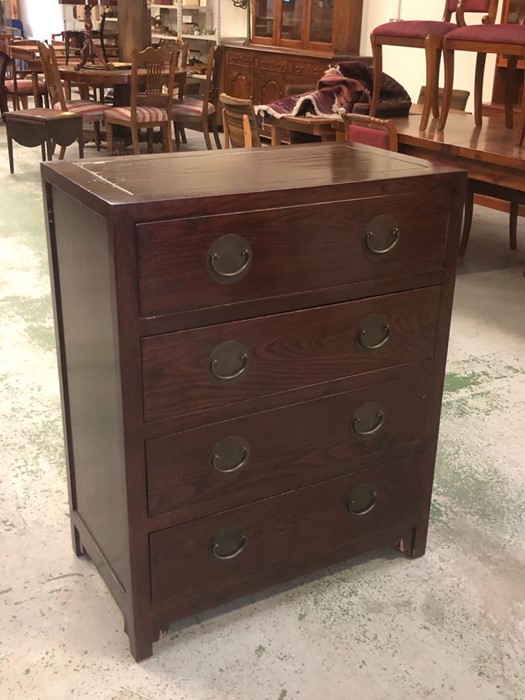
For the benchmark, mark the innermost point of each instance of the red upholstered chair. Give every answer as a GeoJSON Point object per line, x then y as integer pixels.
{"type": "Point", "coordinates": [91, 112]}
{"type": "Point", "coordinates": [369, 131]}
{"type": "Point", "coordinates": [426, 35]}
{"type": "Point", "coordinates": [506, 39]}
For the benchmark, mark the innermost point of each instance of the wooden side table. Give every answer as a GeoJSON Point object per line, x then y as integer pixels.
{"type": "Point", "coordinates": [43, 127]}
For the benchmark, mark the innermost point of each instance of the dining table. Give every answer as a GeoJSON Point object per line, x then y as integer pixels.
{"type": "Point", "coordinates": [119, 80]}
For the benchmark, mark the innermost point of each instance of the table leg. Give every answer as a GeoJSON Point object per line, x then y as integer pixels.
{"type": "Point", "coordinates": [277, 135]}
{"type": "Point", "coordinates": [10, 150]}
{"type": "Point", "coordinates": [43, 147]}
{"type": "Point", "coordinates": [81, 143]}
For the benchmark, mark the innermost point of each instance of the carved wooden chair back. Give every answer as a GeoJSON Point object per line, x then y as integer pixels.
{"type": "Point", "coordinates": [369, 131]}
{"type": "Point", "coordinates": [52, 75]}
{"type": "Point", "coordinates": [239, 122]}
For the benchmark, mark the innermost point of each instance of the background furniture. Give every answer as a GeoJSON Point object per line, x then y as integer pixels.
{"type": "Point", "coordinates": [291, 43]}
{"type": "Point", "coordinates": [512, 12]}
{"type": "Point", "coordinates": [150, 105]}
{"type": "Point", "coordinates": [43, 127]}
{"type": "Point", "coordinates": [240, 123]}
{"type": "Point", "coordinates": [369, 131]}
{"type": "Point", "coordinates": [201, 113]}
{"type": "Point", "coordinates": [91, 112]}
{"type": "Point", "coordinates": [241, 408]}
{"type": "Point", "coordinates": [15, 89]}
{"type": "Point", "coordinates": [426, 35]}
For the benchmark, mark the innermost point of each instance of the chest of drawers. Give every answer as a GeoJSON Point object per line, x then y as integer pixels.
{"type": "Point", "coordinates": [252, 348]}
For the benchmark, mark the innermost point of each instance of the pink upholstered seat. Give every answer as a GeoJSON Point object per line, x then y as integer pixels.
{"type": "Point", "coordinates": [414, 29]}
{"type": "Point", "coordinates": [494, 33]}
{"type": "Point", "coordinates": [144, 114]}
{"type": "Point", "coordinates": [24, 87]}
{"type": "Point", "coordinates": [190, 106]}
{"type": "Point", "coordinates": [91, 111]}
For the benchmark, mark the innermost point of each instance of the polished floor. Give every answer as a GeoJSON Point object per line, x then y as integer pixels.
{"type": "Point", "coordinates": [449, 626]}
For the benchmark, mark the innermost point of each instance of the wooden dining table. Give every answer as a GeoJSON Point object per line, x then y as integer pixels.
{"type": "Point", "coordinates": [119, 80]}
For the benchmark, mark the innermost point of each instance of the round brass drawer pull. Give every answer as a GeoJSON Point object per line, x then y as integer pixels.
{"type": "Point", "coordinates": [382, 234]}
{"type": "Point", "coordinates": [362, 338]}
{"type": "Point", "coordinates": [381, 251]}
{"type": "Point", "coordinates": [229, 258]}
{"type": "Point", "coordinates": [371, 415]}
{"type": "Point", "coordinates": [228, 377]}
{"type": "Point", "coordinates": [215, 258]}
{"type": "Point", "coordinates": [228, 361]}
{"type": "Point", "coordinates": [216, 547]}
{"type": "Point", "coordinates": [230, 455]}
{"type": "Point", "coordinates": [362, 500]}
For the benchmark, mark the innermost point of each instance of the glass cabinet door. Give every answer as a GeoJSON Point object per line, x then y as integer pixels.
{"type": "Point", "coordinates": [516, 12]}
{"type": "Point", "coordinates": [292, 12]}
{"type": "Point", "coordinates": [321, 22]}
{"type": "Point", "coordinates": [264, 15]}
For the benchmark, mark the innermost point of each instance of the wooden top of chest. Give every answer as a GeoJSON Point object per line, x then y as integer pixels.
{"type": "Point", "coordinates": [197, 183]}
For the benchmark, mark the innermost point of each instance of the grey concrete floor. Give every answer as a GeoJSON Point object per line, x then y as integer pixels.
{"type": "Point", "coordinates": [449, 626]}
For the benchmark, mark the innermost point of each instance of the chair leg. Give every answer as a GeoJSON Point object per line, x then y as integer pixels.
{"type": "Point", "coordinates": [448, 56]}
{"type": "Point", "coordinates": [135, 141]}
{"type": "Point", "coordinates": [183, 135]}
{"type": "Point", "coordinates": [98, 138]}
{"type": "Point", "coordinates": [169, 137]}
{"type": "Point", "coordinates": [109, 137]}
{"type": "Point", "coordinates": [206, 131]}
{"type": "Point", "coordinates": [62, 152]}
{"type": "Point", "coordinates": [467, 219]}
{"type": "Point", "coordinates": [10, 151]}
{"type": "Point", "coordinates": [216, 131]}
{"type": "Point", "coordinates": [510, 81]}
{"type": "Point", "coordinates": [478, 88]}
{"type": "Point", "coordinates": [377, 57]}
{"type": "Point", "coordinates": [150, 140]}
{"type": "Point", "coordinates": [24, 101]}
{"type": "Point", "coordinates": [513, 225]}
{"type": "Point", "coordinates": [520, 135]}
{"type": "Point", "coordinates": [177, 136]}
{"type": "Point", "coordinates": [431, 54]}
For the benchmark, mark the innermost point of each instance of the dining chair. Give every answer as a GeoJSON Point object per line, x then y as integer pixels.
{"type": "Point", "coordinates": [201, 113]}
{"type": "Point", "coordinates": [368, 131]}
{"type": "Point", "coordinates": [91, 112]}
{"type": "Point", "coordinates": [151, 106]}
{"type": "Point", "coordinates": [505, 39]}
{"type": "Point", "coordinates": [18, 90]}
{"type": "Point", "coordinates": [428, 35]}
{"type": "Point", "coordinates": [239, 122]}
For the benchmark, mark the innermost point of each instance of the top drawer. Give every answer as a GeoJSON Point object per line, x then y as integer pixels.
{"type": "Point", "coordinates": [219, 260]}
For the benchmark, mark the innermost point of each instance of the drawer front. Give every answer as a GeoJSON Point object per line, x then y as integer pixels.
{"type": "Point", "coordinates": [277, 64]}
{"type": "Point", "coordinates": [221, 466]}
{"type": "Point", "coordinates": [228, 554]}
{"type": "Point", "coordinates": [193, 370]}
{"type": "Point", "coordinates": [244, 59]}
{"type": "Point", "coordinates": [219, 260]}
{"type": "Point", "coordinates": [308, 69]}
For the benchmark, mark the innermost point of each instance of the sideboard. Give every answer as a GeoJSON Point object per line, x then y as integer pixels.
{"type": "Point", "coordinates": [252, 348]}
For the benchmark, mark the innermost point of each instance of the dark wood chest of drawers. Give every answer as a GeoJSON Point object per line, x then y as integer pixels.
{"type": "Point", "coordinates": [252, 348]}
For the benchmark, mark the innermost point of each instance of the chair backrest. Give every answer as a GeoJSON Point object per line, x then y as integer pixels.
{"type": "Point", "coordinates": [459, 98]}
{"type": "Point", "coordinates": [459, 7]}
{"type": "Point", "coordinates": [52, 75]}
{"type": "Point", "coordinates": [181, 47]}
{"type": "Point", "coordinates": [213, 77]}
{"type": "Point", "coordinates": [4, 66]}
{"type": "Point", "coordinates": [239, 122]}
{"type": "Point", "coordinates": [371, 131]}
{"type": "Point", "coordinates": [159, 65]}
{"type": "Point", "coordinates": [5, 42]}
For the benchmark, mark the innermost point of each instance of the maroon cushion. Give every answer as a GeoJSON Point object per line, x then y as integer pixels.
{"type": "Point", "coordinates": [491, 33]}
{"type": "Point", "coordinates": [414, 29]}
{"type": "Point", "coordinates": [369, 136]}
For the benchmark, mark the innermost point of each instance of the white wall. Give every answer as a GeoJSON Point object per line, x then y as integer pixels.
{"type": "Point", "coordinates": [407, 65]}
{"type": "Point", "coordinates": [41, 18]}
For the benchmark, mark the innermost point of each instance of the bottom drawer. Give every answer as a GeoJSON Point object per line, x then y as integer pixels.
{"type": "Point", "coordinates": [224, 556]}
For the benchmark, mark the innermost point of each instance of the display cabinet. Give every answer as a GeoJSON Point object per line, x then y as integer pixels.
{"type": "Point", "coordinates": [193, 20]}
{"type": "Point", "coordinates": [316, 25]}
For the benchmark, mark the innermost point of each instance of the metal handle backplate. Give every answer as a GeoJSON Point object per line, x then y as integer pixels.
{"type": "Point", "coordinates": [362, 500]}
{"type": "Point", "coordinates": [228, 362]}
{"type": "Point", "coordinates": [368, 420]}
{"type": "Point", "coordinates": [373, 332]}
{"type": "Point", "coordinates": [230, 455]}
